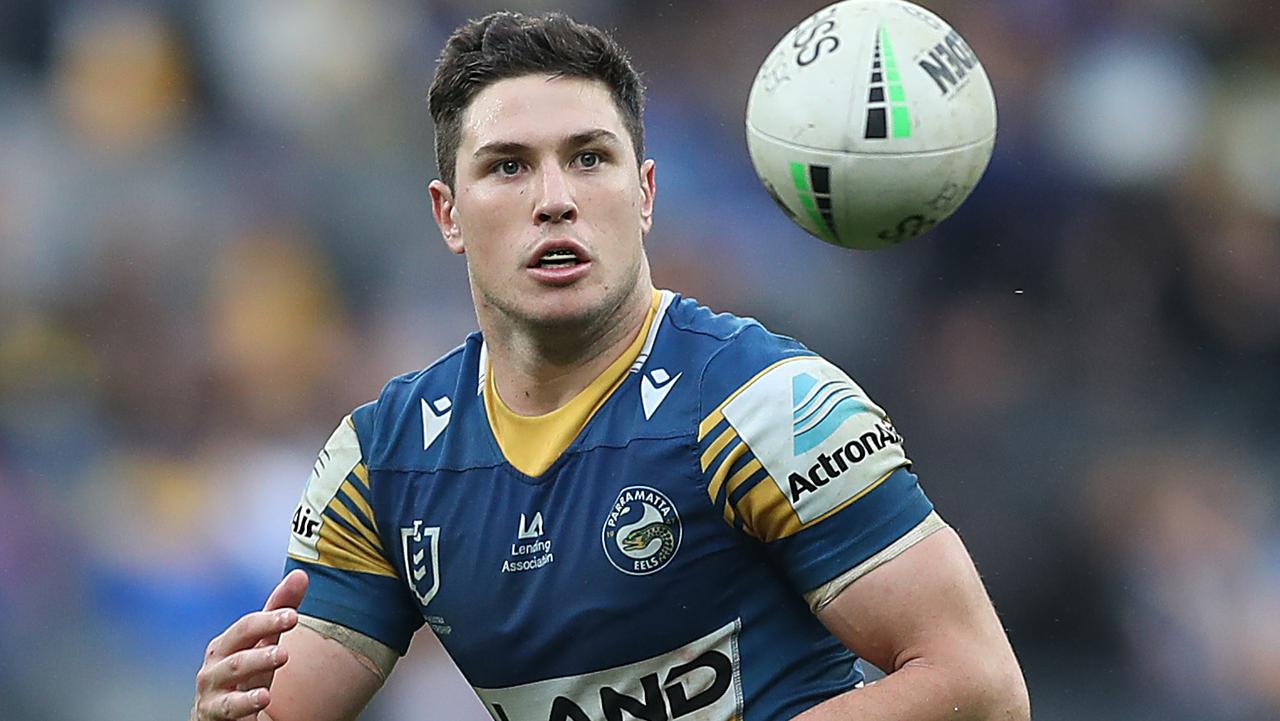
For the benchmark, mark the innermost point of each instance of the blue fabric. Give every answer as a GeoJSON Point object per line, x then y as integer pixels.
{"type": "Point", "coordinates": [598, 577]}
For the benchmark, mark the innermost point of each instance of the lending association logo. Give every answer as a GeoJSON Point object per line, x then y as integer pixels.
{"type": "Point", "coordinates": [531, 550]}
{"type": "Point", "coordinates": [642, 532]}
{"type": "Point", "coordinates": [819, 409]}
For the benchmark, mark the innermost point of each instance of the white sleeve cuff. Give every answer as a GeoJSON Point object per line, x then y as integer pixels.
{"type": "Point", "coordinates": [819, 597]}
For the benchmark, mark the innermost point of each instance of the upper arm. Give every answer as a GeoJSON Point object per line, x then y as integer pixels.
{"type": "Point", "coordinates": [344, 535]}
{"type": "Point", "coordinates": [925, 606]}
{"type": "Point", "coordinates": [798, 457]}
{"type": "Point", "coordinates": [321, 681]}
{"type": "Point", "coordinates": [357, 615]}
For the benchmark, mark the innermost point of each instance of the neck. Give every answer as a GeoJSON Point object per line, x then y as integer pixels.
{"type": "Point", "coordinates": [537, 370]}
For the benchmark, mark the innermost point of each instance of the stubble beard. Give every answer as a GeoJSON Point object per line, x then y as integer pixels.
{"type": "Point", "coordinates": [565, 339]}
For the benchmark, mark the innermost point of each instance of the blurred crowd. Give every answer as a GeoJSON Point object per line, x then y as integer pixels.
{"type": "Point", "coordinates": [215, 240]}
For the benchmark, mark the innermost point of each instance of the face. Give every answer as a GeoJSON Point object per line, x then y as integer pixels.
{"type": "Point", "coordinates": [550, 207]}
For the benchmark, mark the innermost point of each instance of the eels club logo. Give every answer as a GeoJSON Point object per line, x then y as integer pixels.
{"type": "Point", "coordinates": [642, 533]}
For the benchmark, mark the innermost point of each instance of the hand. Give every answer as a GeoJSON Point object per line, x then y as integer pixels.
{"type": "Point", "coordinates": [234, 682]}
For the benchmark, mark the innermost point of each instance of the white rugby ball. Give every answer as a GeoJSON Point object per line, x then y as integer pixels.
{"type": "Point", "coordinates": [870, 122]}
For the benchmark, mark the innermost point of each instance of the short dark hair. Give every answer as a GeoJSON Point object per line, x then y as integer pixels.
{"type": "Point", "coordinates": [506, 45]}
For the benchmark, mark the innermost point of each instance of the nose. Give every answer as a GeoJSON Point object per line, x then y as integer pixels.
{"type": "Point", "coordinates": [556, 204]}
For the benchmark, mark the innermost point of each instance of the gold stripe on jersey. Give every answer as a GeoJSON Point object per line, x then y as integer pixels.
{"type": "Point", "coordinates": [768, 515]}
{"type": "Point", "coordinates": [716, 446]}
{"type": "Point", "coordinates": [747, 471]}
{"type": "Point", "coordinates": [349, 490]}
{"type": "Point", "coordinates": [345, 514]}
{"type": "Point", "coordinates": [717, 415]}
{"type": "Point", "coordinates": [338, 463]}
{"type": "Point", "coordinates": [722, 471]}
{"type": "Point", "coordinates": [361, 472]}
{"type": "Point", "coordinates": [730, 515]}
{"type": "Point", "coordinates": [345, 550]}
{"type": "Point", "coordinates": [752, 469]}
{"type": "Point", "coordinates": [730, 512]}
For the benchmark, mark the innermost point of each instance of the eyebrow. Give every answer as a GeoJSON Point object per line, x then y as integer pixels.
{"type": "Point", "coordinates": [586, 137]}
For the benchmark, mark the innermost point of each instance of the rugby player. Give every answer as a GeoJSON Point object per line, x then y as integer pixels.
{"type": "Point", "coordinates": [610, 503]}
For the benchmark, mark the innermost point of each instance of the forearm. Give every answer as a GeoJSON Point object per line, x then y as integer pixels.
{"type": "Point", "coordinates": [921, 691]}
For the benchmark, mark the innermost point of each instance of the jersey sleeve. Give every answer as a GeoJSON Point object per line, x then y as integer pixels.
{"type": "Point", "coordinates": [794, 454]}
{"type": "Point", "coordinates": [335, 539]}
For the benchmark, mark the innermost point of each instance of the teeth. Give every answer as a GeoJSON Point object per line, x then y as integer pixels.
{"type": "Point", "coordinates": [558, 258]}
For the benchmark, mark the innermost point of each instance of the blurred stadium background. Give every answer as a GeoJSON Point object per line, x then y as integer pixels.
{"type": "Point", "coordinates": [215, 240]}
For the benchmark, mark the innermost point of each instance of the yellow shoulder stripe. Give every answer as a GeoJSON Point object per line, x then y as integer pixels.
{"type": "Point", "coordinates": [718, 414]}
{"type": "Point", "coordinates": [766, 514]}
{"type": "Point", "coordinates": [716, 446]}
{"type": "Point", "coordinates": [349, 490]}
{"type": "Point", "coordinates": [730, 515]}
{"type": "Point", "coordinates": [346, 515]}
{"type": "Point", "coordinates": [342, 549]}
{"type": "Point", "coordinates": [742, 475]}
{"type": "Point", "coordinates": [769, 516]}
{"type": "Point", "coordinates": [717, 479]}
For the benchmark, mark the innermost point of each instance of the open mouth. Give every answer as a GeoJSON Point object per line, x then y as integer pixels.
{"type": "Point", "coordinates": [558, 258]}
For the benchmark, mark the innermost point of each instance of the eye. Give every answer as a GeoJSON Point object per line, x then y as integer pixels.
{"type": "Point", "coordinates": [508, 167]}
{"type": "Point", "coordinates": [589, 159]}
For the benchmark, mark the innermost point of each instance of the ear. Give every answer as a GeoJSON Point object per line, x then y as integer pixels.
{"type": "Point", "coordinates": [648, 189]}
{"type": "Point", "coordinates": [446, 215]}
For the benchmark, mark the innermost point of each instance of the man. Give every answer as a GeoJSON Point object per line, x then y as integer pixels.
{"type": "Point", "coordinates": [611, 503]}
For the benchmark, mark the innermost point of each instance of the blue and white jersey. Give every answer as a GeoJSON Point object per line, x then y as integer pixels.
{"type": "Point", "coordinates": [657, 568]}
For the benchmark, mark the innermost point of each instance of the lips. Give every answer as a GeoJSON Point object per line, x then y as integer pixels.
{"type": "Point", "coordinates": [558, 253]}
{"type": "Point", "coordinates": [559, 262]}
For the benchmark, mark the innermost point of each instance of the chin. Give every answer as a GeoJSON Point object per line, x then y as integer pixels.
{"type": "Point", "coordinates": [568, 307]}
{"type": "Point", "coordinates": [550, 307]}
{"type": "Point", "coordinates": [570, 310]}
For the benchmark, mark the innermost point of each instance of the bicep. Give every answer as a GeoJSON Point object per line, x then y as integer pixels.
{"type": "Point", "coordinates": [925, 605]}
{"type": "Point", "coordinates": [323, 680]}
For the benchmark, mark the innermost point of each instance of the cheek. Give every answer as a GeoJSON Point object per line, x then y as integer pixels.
{"type": "Point", "coordinates": [497, 205]}
{"type": "Point", "coordinates": [623, 201]}
{"type": "Point", "coordinates": [477, 216]}
{"type": "Point", "coordinates": [491, 221]}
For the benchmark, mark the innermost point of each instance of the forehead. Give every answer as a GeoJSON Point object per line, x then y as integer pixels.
{"type": "Point", "coordinates": [533, 108]}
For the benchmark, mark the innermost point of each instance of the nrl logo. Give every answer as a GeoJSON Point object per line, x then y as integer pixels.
{"type": "Point", "coordinates": [421, 548]}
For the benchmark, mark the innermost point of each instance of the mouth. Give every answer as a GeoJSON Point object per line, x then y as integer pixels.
{"type": "Point", "coordinates": [558, 258]}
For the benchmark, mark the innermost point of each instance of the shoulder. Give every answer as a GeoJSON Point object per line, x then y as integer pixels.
{"type": "Point", "coordinates": [442, 376]}
{"type": "Point", "coordinates": [415, 408]}
{"type": "Point", "coordinates": [718, 328]}
{"type": "Point", "coordinates": [732, 351]}
{"type": "Point", "coordinates": [771, 389]}
{"type": "Point", "coordinates": [786, 438]}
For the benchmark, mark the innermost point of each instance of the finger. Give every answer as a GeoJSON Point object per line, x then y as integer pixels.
{"type": "Point", "coordinates": [289, 592]}
{"type": "Point", "coordinates": [264, 679]}
{"type": "Point", "coordinates": [287, 595]}
{"type": "Point", "coordinates": [250, 630]}
{"type": "Point", "coordinates": [234, 705]}
{"type": "Point", "coordinates": [240, 669]}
